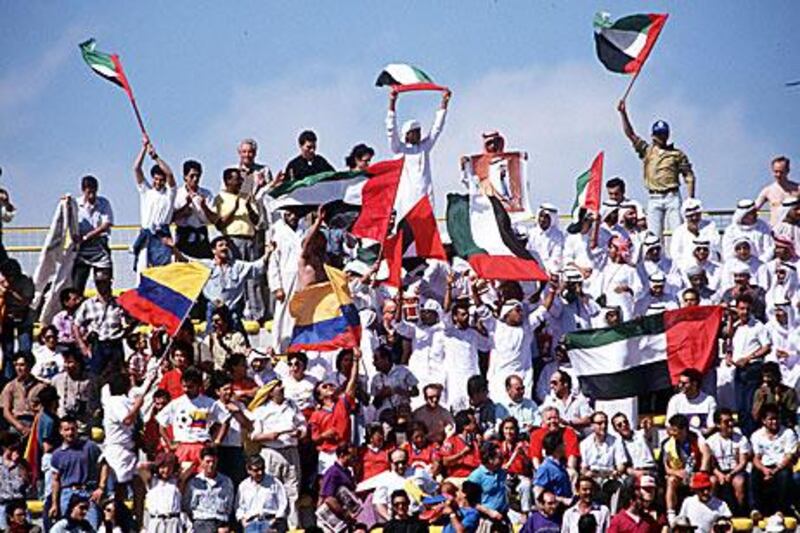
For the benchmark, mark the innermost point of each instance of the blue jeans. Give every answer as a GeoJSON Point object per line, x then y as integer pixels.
{"type": "Point", "coordinates": [661, 208]}
{"type": "Point", "coordinates": [94, 511]}
{"type": "Point", "coordinates": [746, 381]}
{"type": "Point", "coordinates": [263, 526]}
{"type": "Point", "coordinates": [106, 353]}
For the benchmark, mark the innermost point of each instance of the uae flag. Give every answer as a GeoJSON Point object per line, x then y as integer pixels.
{"type": "Point", "coordinates": [646, 354]}
{"type": "Point", "coordinates": [105, 65]}
{"type": "Point", "coordinates": [481, 233]}
{"type": "Point", "coordinates": [623, 46]}
{"type": "Point", "coordinates": [402, 78]}
{"type": "Point", "coordinates": [397, 212]}
{"type": "Point", "coordinates": [588, 187]}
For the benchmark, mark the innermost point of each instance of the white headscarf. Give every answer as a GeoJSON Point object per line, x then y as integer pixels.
{"type": "Point", "coordinates": [742, 208]}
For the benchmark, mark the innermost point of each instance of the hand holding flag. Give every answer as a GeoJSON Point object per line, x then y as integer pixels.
{"type": "Point", "coordinates": [402, 78]}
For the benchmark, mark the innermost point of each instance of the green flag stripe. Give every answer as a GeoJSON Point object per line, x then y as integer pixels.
{"type": "Point", "coordinates": [309, 181]}
{"type": "Point", "coordinates": [580, 189]}
{"type": "Point", "coordinates": [459, 228]}
{"type": "Point", "coordinates": [635, 23]}
{"type": "Point", "coordinates": [421, 75]}
{"type": "Point", "coordinates": [646, 325]}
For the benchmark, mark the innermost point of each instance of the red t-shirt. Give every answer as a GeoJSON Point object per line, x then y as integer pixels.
{"type": "Point", "coordinates": [171, 382]}
{"type": "Point", "coordinates": [466, 464]}
{"type": "Point", "coordinates": [522, 465]}
{"type": "Point", "coordinates": [623, 522]}
{"type": "Point", "coordinates": [151, 437]}
{"type": "Point", "coordinates": [426, 455]}
{"type": "Point", "coordinates": [338, 419]}
{"type": "Point", "coordinates": [374, 462]}
{"type": "Point", "coordinates": [571, 442]}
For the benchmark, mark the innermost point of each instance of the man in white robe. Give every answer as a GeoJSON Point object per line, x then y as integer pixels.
{"type": "Point", "coordinates": [427, 346]}
{"type": "Point", "coordinates": [545, 238]}
{"type": "Point", "coordinates": [695, 226]}
{"type": "Point", "coordinates": [462, 346]}
{"type": "Point", "coordinates": [512, 337]}
{"type": "Point", "coordinates": [282, 275]}
{"type": "Point", "coordinates": [745, 223]}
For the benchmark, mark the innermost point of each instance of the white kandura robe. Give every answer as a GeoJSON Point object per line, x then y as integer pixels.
{"type": "Point", "coordinates": [427, 354]}
{"type": "Point", "coordinates": [511, 352]}
{"type": "Point", "coordinates": [282, 274]}
{"type": "Point", "coordinates": [461, 361]}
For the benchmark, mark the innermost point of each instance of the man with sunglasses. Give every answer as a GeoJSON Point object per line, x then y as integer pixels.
{"type": "Point", "coordinates": [639, 459]}
{"type": "Point", "coordinates": [390, 483]}
{"type": "Point", "coordinates": [435, 417]}
{"type": "Point", "coordinates": [692, 402]}
{"type": "Point", "coordinates": [402, 521]}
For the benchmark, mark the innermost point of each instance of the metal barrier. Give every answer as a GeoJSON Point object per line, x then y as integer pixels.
{"type": "Point", "coordinates": [25, 243]}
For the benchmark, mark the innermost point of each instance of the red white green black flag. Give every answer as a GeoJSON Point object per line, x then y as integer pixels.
{"type": "Point", "coordinates": [623, 45]}
{"type": "Point", "coordinates": [105, 65]}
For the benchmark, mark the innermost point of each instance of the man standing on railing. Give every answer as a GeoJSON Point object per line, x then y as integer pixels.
{"type": "Point", "coordinates": [153, 246]}
{"type": "Point", "coordinates": [663, 166]}
{"type": "Point", "coordinates": [193, 212]}
{"type": "Point", "coordinates": [95, 219]}
{"type": "Point", "coordinates": [777, 192]}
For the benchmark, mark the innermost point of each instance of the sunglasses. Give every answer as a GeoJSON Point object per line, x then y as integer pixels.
{"type": "Point", "coordinates": [400, 503]}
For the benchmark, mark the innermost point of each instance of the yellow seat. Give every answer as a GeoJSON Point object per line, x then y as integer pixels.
{"type": "Point", "coordinates": [251, 327]}
{"type": "Point", "coordinates": [98, 435]}
{"type": "Point", "coordinates": [660, 420]}
{"type": "Point", "coordinates": [35, 507]}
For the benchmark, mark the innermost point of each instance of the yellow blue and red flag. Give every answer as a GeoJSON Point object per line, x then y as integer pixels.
{"type": "Point", "coordinates": [325, 317]}
{"type": "Point", "coordinates": [166, 294]}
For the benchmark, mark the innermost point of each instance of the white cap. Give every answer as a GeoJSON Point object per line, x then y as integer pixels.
{"type": "Point", "coordinates": [691, 206]}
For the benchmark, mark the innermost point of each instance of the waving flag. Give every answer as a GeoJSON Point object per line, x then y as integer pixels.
{"type": "Point", "coordinates": [402, 78]}
{"type": "Point", "coordinates": [325, 317]}
{"type": "Point", "coordinates": [165, 294]}
{"type": "Point", "coordinates": [645, 354]}
{"type": "Point", "coordinates": [105, 65]}
{"type": "Point", "coordinates": [623, 46]}
{"type": "Point", "coordinates": [481, 231]}
{"type": "Point", "coordinates": [588, 187]}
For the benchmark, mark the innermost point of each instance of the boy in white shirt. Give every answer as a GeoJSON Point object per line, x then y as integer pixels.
{"type": "Point", "coordinates": [730, 451]}
{"type": "Point", "coordinates": [192, 417]}
{"type": "Point", "coordinates": [774, 448]}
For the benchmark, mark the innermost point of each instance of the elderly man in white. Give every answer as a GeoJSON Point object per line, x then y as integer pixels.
{"type": "Point", "coordinates": [680, 247]}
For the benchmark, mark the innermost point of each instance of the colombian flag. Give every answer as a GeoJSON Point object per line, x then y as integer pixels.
{"type": "Point", "coordinates": [325, 317]}
{"type": "Point", "coordinates": [165, 294]}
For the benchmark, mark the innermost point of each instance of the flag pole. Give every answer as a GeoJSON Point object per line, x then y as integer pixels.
{"type": "Point", "coordinates": [138, 116]}
{"type": "Point", "coordinates": [630, 83]}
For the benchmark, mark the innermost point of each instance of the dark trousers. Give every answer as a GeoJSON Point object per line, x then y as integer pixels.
{"type": "Point", "coordinates": [22, 332]}
{"type": "Point", "coordinates": [231, 463]}
{"type": "Point", "coordinates": [106, 355]}
{"type": "Point", "coordinates": [774, 495]}
{"type": "Point", "coordinates": [80, 275]}
{"type": "Point", "coordinates": [746, 381]}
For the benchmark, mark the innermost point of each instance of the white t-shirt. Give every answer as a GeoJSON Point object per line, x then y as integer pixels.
{"type": "Point", "coordinates": [196, 217]}
{"type": "Point", "coordinates": [115, 409]}
{"type": "Point", "coordinates": [48, 363]}
{"type": "Point", "coordinates": [703, 515]}
{"type": "Point", "coordinates": [233, 437]}
{"type": "Point", "coordinates": [300, 392]}
{"type": "Point", "coordinates": [748, 338]}
{"type": "Point", "coordinates": [191, 419]}
{"type": "Point", "coordinates": [726, 451]}
{"type": "Point", "coordinates": [155, 207]}
{"type": "Point", "coordinates": [773, 450]}
{"type": "Point", "coordinates": [699, 410]}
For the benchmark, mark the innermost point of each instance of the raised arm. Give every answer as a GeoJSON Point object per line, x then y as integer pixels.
{"type": "Point", "coordinates": [395, 144]}
{"type": "Point", "coordinates": [438, 121]}
{"type": "Point", "coordinates": [151, 151]}
{"type": "Point", "coordinates": [137, 163]}
{"type": "Point", "coordinates": [627, 128]}
{"type": "Point", "coordinates": [352, 380]}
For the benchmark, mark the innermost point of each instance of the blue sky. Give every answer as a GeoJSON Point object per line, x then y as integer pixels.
{"type": "Point", "coordinates": [207, 74]}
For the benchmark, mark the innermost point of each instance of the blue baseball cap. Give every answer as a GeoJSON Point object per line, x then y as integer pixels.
{"type": "Point", "coordinates": [660, 128]}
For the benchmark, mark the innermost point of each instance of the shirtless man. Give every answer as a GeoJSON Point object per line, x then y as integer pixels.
{"type": "Point", "coordinates": [777, 192]}
{"type": "Point", "coordinates": [311, 266]}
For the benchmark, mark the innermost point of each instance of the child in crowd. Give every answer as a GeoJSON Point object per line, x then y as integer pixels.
{"type": "Point", "coordinates": [63, 320]}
